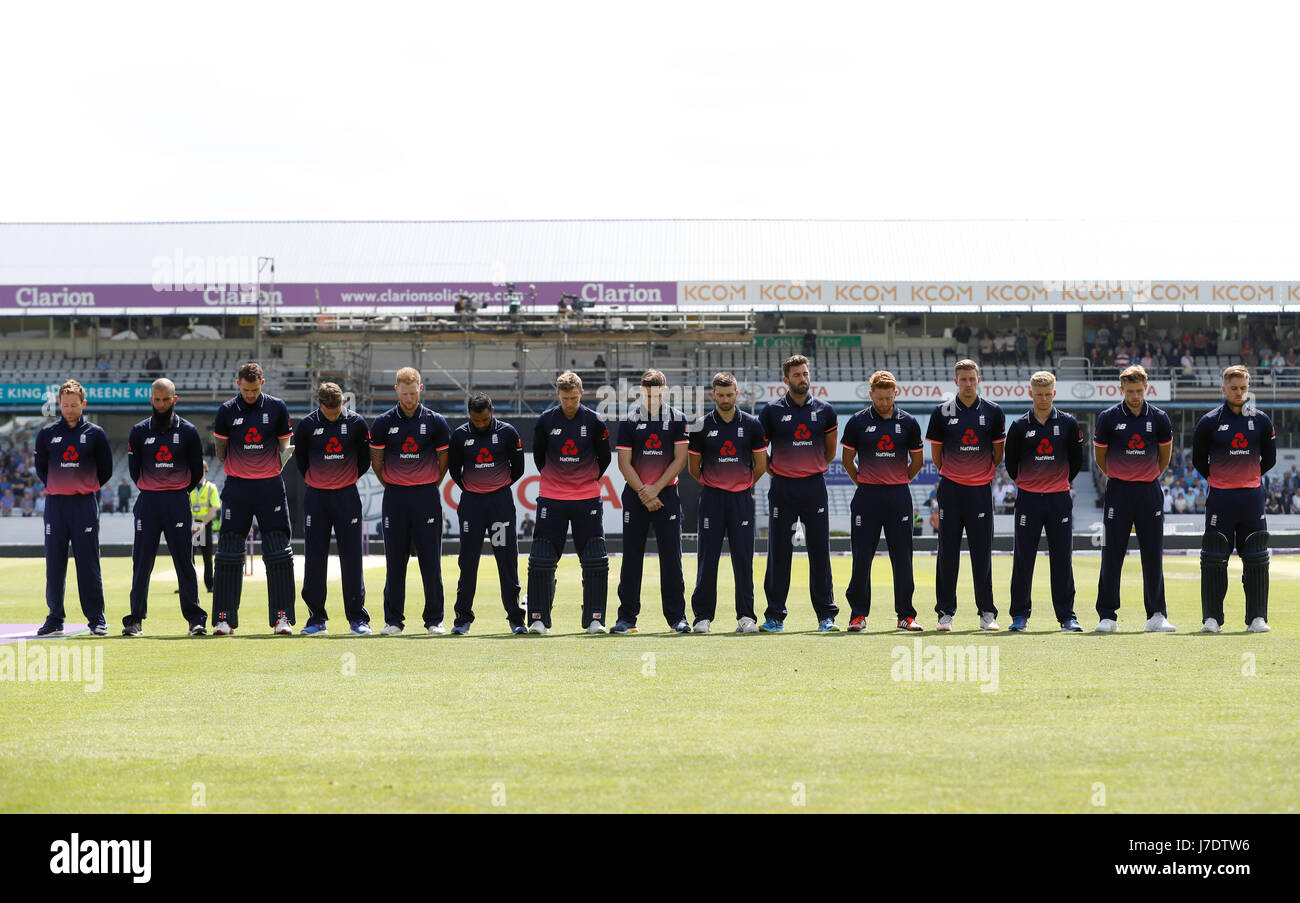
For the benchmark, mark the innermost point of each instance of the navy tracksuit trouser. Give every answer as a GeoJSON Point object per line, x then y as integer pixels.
{"type": "Point", "coordinates": [729, 515]}
{"type": "Point", "coordinates": [1126, 506]}
{"type": "Point", "coordinates": [877, 508]}
{"type": "Point", "coordinates": [73, 519]}
{"type": "Point", "coordinates": [412, 517]}
{"type": "Point", "coordinates": [337, 512]}
{"type": "Point", "coordinates": [164, 514]}
{"type": "Point", "coordinates": [667, 525]}
{"type": "Point", "coordinates": [491, 514]}
{"type": "Point", "coordinates": [1035, 513]}
{"type": "Point", "coordinates": [791, 499]}
{"type": "Point", "coordinates": [970, 508]}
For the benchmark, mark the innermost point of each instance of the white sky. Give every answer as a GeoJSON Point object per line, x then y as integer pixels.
{"type": "Point", "coordinates": [576, 110]}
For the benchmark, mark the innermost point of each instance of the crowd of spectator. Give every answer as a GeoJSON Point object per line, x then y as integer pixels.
{"type": "Point", "coordinates": [21, 494]}
{"type": "Point", "coordinates": [1008, 346]}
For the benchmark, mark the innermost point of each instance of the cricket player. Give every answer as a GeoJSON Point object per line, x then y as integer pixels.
{"type": "Point", "coordinates": [205, 507]}
{"type": "Point", "coordinates": [801, 434]}
{"type": "Point", "coordinates": [1132, 443]}
{"type": "Point", "coordinates": [486, 460]}
{"type": "Point", "coordinates": [165, 457]}
{"type": "Point", "coordinates": [651, 453]}
{"type": "Point", "coordinates": [728, 454]}
{"type": "Point", "coordinates": [966, 436]}
{"type": "Point", "coordinates": [330, 449]}
{"type": "Point", "coordinates": [882, 453]}
{"type": "Point", "coordinates": [252, 433]}
{"type": "Point", "coordinates": [409, 450]}
{"type": "Point", "coordinates": [1233, 447]}
{"type": "Point", "coordinates": [571, 450]}
{"type": "Point", "coordinates": [82, 463]}
{"type": "Point", "coordinates": [1044, 453]}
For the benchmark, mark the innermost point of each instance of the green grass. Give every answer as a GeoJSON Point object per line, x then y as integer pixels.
{"type": "Point", "coordinates": [660, 722]}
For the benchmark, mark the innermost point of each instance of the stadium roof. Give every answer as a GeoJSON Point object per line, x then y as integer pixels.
{"type": "Point", "coordinates": [642, 250]}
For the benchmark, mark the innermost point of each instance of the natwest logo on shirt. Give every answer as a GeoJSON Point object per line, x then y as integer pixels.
{"type": "Point", "coordinates": [1044, 447]}
{"type": "Point", "coordinates": [885, 444]}
{"type": "Point", "coordinates": [1135, 443]}
{"type": "Point", "coordinates": [334, 446]}
{"type": "Point", "coordinates": [410, 445]}
{"type": "Point", "coordinates": [163, 454]}
{"type": "Point", "coordinates": [728, 448]}
{"type": "Point", "coordinates": [569, 448]}
{"type": "Point", "coordinates": [484, 456]}
{"type": "Point", "coordinates": [802, 432]}
{"type": "Point", "coordinates": [252, 436]}
{"type": "Point", "coordinates": [652, 441]}
{"type": "Point", "coordinates": [969, 438]}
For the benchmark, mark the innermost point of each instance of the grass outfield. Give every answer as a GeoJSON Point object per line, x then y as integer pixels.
{"type": "Point", "coordinates": [660, 722]}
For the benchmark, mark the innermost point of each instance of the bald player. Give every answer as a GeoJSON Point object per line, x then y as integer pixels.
{"type": "Point", "coordinates": [165, 457]}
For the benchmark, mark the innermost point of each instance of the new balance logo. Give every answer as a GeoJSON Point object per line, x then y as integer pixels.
{"type": "Point", "coordinates": [786, 417]}
{"type": "Point", "coordinates": [1223, 427]}
{"type": "Point", "coordinates": [320, 430]}
{"type": "Point", "coordinates": [150, 440]}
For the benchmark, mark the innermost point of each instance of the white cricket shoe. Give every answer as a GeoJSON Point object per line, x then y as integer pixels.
{"type": "Point", "coordinates": [746, 625]}
{"type": "Point", "coordinates": [435, 629]}
{"type": "Point", "coordinates": [597, 627]}
{"type": "Point", "coordinates": [538, 627]}
{"type": "Point", "coordinates": [391, 630]}
{"type": "Point", "coordinates": [1259, 625]}
{"type": "Point", "coordinates": [1106, 625]}
{"type": "Point", "coordinates": [1159, 624]}
{"type": "Point", "coordinates": [945, 623]}
{"type": "Point", "coordinates": [1211, 626]}
{"type": "Point", "coordinates": [988, 621]}
{"type": "Point", "coordinates": [223, 628]}
{"type": "Point", "coordinates": [701, 627]}
{"type": "Point", "coordinates": [282, 627]}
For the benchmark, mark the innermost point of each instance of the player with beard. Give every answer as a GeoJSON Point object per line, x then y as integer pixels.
{"type": "Point", "coordinates": [801, 434]}
{"type": "Point", "coordinates": [165, 457]}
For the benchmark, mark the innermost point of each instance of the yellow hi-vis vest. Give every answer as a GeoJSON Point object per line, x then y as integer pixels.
{"type": "Point", "coordinates": [204, 498]}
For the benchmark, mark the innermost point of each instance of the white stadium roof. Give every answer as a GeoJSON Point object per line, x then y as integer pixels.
{"type": "Point", "coordinates": [679, 250]}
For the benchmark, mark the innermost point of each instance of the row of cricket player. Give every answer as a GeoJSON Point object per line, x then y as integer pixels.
{"type": "Point", "coordinates": [411, 450]}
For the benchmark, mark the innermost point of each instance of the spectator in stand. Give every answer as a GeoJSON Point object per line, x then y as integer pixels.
{"type": "Point", "coordinates": [40, 501]}
{"type": "Point", "coordinates": [1103, 336]}
{"type": "Point", "coordinates": [103, 363]}
{"type": "Point", "coordinates": [810, 344]}
{"type": "Point", "coordinates": [1295, 502]}
{"type": "Point", "coordinates": [1279, 364]}
{"type": "Point", "coordinates": [123, 496]}
{"type": "Point", "coordinates": [1148, 363]}
{"type": "Point", "coordinates": [1040, 349]}
{"type": "Point", "coordinates": [1022, 349]}
{"type": "Point", "coordinates": [527, 527]}
{"type": "Point", "coordinates": [986, 347]}
{"type": "Point", "coordinates": [7, 502]}
{"type": "Point", "coordinates": [1200, 344]}
{"type": "Point", "coordinates": [599, 362]}
{"type": "Point", "coordinates": [1187, 361]}
{"type": "Point", "coordinates": [153, 367]}
{"type": "Point", "coordinates": [1122, 358]}
{"type": "Point", "coordinates": [28, 504]}
{"type": "Point", "coordinates": [1248, 355]}
{"type": "Point", "coordinates": [962, 337]}
{"type": "Point", "coordinates": [106, 500]}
